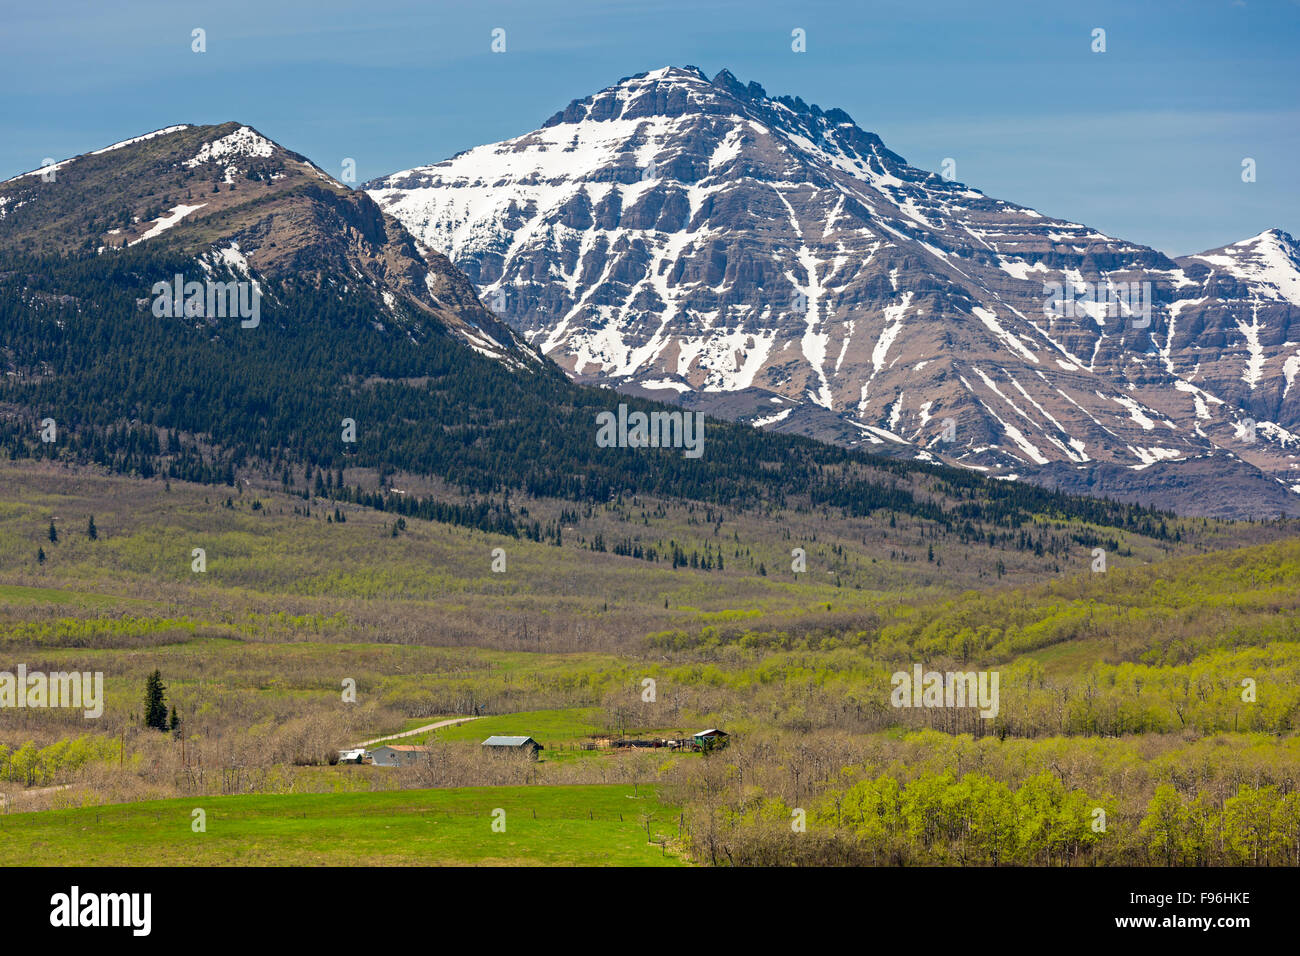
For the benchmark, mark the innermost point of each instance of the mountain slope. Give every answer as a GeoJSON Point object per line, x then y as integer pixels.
{"type": "Point", "coordinates": [762, 259]}
{"type": "Point", "coordinates": [246, 205]}
{"type": "Point", "coordinates": [361, 335]}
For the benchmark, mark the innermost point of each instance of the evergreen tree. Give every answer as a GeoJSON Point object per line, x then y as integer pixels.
{"type": "Point", "coordinates": [155, 705]}
{"type": "Point", "coordinates": [54, 534]}
{"type": "Point", "coordinates": [175, 722]}
{"type": "Point", "coordinates": [91, 531]}
{"type": "Point", "coordinates": [40, 555]}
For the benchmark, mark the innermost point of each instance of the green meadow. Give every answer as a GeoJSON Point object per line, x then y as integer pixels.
{"type": "Point", "coordinates": [541, 826]}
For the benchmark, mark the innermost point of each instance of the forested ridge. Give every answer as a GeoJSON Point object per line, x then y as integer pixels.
{"type": "Point", "coordinates": [205, 399]}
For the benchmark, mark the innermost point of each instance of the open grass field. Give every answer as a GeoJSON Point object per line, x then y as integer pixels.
{"type": "Point", "coordinates": [544, 726]}
{"type": "Point", "coordinates": [544, 825]}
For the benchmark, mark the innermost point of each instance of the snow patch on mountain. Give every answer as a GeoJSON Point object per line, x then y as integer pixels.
{"type": "Point", "coordinates": [1268, 261]}
{"type": "Point", "coordinates": [243, 142]}
{"type": "Point", "coordinates": [140, 139]}
{"type": "Point", "coordinates": [163, 223]}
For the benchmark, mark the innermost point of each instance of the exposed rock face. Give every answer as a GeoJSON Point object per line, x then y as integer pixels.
{"type": "Point", "coordinates": [240, 203]}
{"type": "Point", "coordinates": [764, 259]}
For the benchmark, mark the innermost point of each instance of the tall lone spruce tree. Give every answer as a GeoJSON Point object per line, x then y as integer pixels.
{"type": "Point", "coordinates": [155, 706]}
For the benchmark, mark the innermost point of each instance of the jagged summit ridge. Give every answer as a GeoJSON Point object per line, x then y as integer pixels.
{"type": "Point", "coordinates": [766, 259]}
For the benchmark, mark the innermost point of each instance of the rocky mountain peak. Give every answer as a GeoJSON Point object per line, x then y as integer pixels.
{"type": "Point", "coordinates": [764, 259]}
{"type": "Point", "coordinates": [231, 197]}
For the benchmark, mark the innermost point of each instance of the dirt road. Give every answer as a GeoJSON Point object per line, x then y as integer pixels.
{"type": "Point", "coordinates": [417, 730]}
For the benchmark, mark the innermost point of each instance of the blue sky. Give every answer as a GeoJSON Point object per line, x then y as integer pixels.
{"type": "Point", "coordinates": [1144, 141]}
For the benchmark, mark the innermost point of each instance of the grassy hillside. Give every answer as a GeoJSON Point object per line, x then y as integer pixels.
{"type": "Point", "coordinates": [543, 826]}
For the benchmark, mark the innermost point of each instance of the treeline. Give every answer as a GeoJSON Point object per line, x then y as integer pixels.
{"type": "Point", "coordinates": [1251, 689]}
{"type": "Point", "coordinates": [975, 820]}
{"type": "Point", "coordinates": [495, 517]}
{"type": "Point", "coordinates": [33, 766]}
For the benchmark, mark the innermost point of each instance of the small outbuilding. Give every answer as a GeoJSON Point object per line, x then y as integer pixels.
{"type": "Point", "coordinates": [500, 744]}
{"type": "Point", "coordinates": [711, 739]}
{"type": "Point", "coordinates": [352, 756]}
{"type": "Point", "coordinates": [398, 755]}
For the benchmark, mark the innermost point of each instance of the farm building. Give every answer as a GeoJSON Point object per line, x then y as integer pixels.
{"type": "Point", "coordinates": [397, 755]}
{"type": "Point", "coordinates": [500, 744]}
{"type": "Point", "coordinates": [711, 739]}
{"type": "Point", "coordinates": [352, 756]}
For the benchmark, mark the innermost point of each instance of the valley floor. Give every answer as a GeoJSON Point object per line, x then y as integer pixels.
{"type": "Point", "coordinates": [1147, 714]}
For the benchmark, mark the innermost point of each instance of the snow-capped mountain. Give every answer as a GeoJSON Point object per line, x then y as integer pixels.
{"type": "Point", "coordinates": [245, 206]}
{"type": "Point", "coordinates": [764, 259]}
